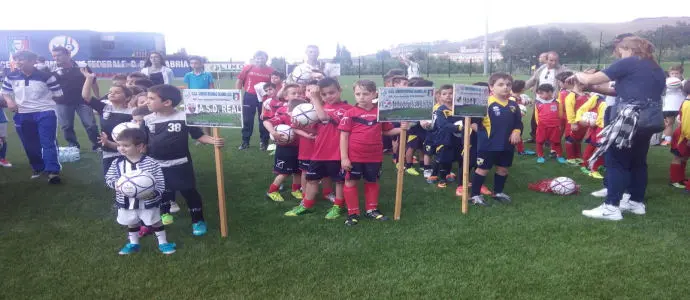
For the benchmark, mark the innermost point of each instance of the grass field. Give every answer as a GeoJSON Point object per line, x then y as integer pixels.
{"type": "Point", "coordinates": [414, 114]}
{"type": "Point", "coordinates": [61, 242]}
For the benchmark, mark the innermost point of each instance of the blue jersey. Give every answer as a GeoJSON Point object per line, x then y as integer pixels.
{"type": "Point", "coordinates": [3, 118]}
{"type": "Point", "coordinates": [200, 81]}
{"type": "Point", "coordinates": [501, 119]}
{"type": "Point", "coordinates": [443, 127]}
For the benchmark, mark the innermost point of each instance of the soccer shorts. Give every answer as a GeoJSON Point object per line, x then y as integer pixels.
{"type": "Point", "coordinates": [286, 161]}
{"type": "Point", "coordinates": [319, 169]}
{"type": "Point", "coordinates": [179, 177]}
{"type": "Point", "coordinates": [447, 154]}
{"type": "Point", "coordinates": [304, 164]}
{"type": "Point", "coordinates": [548, 134]}
{"type": "Point", "coordinates": [415, 142]}
{"type": "Point", "coordinates": [591, 137]}
{"type": "Point", "coordinates": [430, 149]}
{"type": "Point", "coordinates": [370, 171]}
{"type": "Point", "coordinates": [487, 159]}
{"type": "Point", "coordinates": [574, 136]}
{"type": "Point", "coordinates": [679, 145]}
{"type": "Point", "coordinates": [131, 217]}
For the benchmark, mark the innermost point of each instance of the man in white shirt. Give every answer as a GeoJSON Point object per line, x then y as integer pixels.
{"type": "Point", "coordinates": [546, 73]}
{"type": "Point", "coordinates": [412, 66]}
{"type": "Point", "coordinates": [309, 70]}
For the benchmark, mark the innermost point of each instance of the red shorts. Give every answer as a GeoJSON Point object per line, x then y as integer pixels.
{"type": "Point", "coordinates": [577, 135]}
{"type": "Point", "coordinates": [550, 134]}
{"type": "Point", "coordinates": [679, 145]}
{"type": "Point", "coordinates": [591, 136]}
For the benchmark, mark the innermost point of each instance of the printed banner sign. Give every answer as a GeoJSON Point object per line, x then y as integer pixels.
{"type": "Point", "coordinates": [405, 104]}
{"type": "Point", "coordinates": [213, 108]}
{"type": "Point", "coordinates": [470, 100]}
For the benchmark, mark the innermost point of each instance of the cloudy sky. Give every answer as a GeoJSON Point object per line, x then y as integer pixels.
{"type": "Point", "coordinates": [235, 29]}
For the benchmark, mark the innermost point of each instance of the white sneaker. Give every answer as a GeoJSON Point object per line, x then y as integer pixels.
{"type": "Point", "coordinates": [174, 207]}
{"type": "Point", "coordinates": [633, 207]}
{"type": "Point", "coordinates": [427, 174]}
{"type": "Point", "coordinates": [604, 212]}
{"type": "Point", "coordinates": [626, 197]}
{"type": "Point", "coordinates": [600, 193]}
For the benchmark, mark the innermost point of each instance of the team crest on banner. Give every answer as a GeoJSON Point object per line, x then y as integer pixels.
{"type": "Point", "coordinates": [18, 43]}
{"type": "Point", "coordinates": [65, 41]}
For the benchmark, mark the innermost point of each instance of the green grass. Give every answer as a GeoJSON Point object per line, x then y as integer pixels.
{"type": "Point", "coordinates": [61, 242]}
{"type": "Point", "coordinates": [211, 120]}
{"type": "Point", "coordinates": [407, 114]}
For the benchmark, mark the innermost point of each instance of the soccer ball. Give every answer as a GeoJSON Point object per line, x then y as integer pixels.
{"type": "Point", "coordinates": [563, 186]}
{"type": "Point", "coordinates": [135, 184]}
{"type": "Point", "coordinates": [304, 115]}
{"type": "Point", "coordinates": [673, 82]}
{"type": "Point", "coordinates": [460, 125]}
{"type": "Point", "coordinates": [523, 109]}
{"type": "Point", "coordinates": [286, 133]}
{"type": "Point", "coordinates": [590, 118]}
{"type": "Point", "coordinates": [122, 126]}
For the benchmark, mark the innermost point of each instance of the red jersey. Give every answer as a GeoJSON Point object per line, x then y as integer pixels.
{"type": "Point", "coordinates": [573, 102]}
{"type": "Point", "coordinates": [306, 146]}
{"type": "Point", "coordinates": [251, 75]}
{"type": "Point", "coordinates": [548, 113]}
{"type": "Point", "coordinates": [269, 107]}
{"type": "Point", "coordinates": [327, 144]}
{"type": "Point", "coordinates": [365, 144]}
{"type": "Point", "coordinates": [282, 116]}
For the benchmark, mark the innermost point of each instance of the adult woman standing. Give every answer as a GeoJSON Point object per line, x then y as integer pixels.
{"type": "Point", "coordinates": [157, 70]}
{"type": "Point", "coordinates": [639, 85]}
{"type": "Point", "coordinates": [250, 75]}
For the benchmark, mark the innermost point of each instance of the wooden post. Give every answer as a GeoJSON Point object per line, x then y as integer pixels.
{"type": "Point", "coordinates": [466, 164]}
{"type": "Point", "coordinates": [402, 145]}
{"type": "Point", "coordinates": [220, 183]}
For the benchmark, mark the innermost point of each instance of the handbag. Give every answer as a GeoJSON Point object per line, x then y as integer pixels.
{"type": "Point", "coordinates": [651, 117]}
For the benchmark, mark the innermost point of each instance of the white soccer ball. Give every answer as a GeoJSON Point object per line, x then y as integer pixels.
{"type": "Point", "coordinates": [673, 82]}
{"type": "Point", "coordinates": [590, 118]}
{"type": "Point", "coordinates": [286, 133]}
{"type": "Point", "coordinates": [136, 184]}
{"type": "Point", "coordinates": [461, 125]}
{"type": "Point", "coordinates": [122, 126]}
{"type": "Point", "coordinates": [523, 109]}
{"type": "Point", "coordinates": [563, 186]}
{"type": "Point", "coordinates": [304, 115]}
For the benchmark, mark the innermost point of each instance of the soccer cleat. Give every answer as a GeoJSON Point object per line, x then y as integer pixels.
{"type": "Point", "coordinates": [54, 178]}
{"type": "Point", "coordinates": [352, 220]}
{"type": "Point", "coordinates": [144, 231]}
{"type": "Point", "coordinates": [561, 160]}
{"type": "Point", "coordinates": [376, 215]}
{"type": "Point", "coordinates": [528, 152]}
{"type": "Point", "coordinates": [677, 185]}
{"type": "Point", "coordinates": [604, 212]}
{"type": "Point", "coordinates": [427, 174]}
{"type": "Point", "coordinates": [600, 193]}
{"type": "Point", "coordinates": [579, 161]}
{"type": "Point", "coordinates": [275, 196]}
{"type": "Point", "coordinates": [485, 191]}
{"type": "Point", "coordinates": [478, 201]}
{"type": "Point", "coordinates": [451, 177]}
{"type": "Point", "coordinates": [167, 219]}
{"type": "Point", "coordinates": [5, 163]}
{"type": "Point", "coordinates": [271, 147]}
{"type": "Point", "coordinates": [458, 191]}
{"type": "Point", "coordinates": [596, 175]}
{"type": "Point", "coordinates": [442, 185]}
{"type": "Point", "coordinates": [585, 170]}
{"type": "Point", "coordinates": [334, 212]}
{"type": "Point", "coordinates": [573, 162]}
{"type": "Point", "coordinates": [129, 248]}
{"type": "Point", "coordinates": [199, 228]}
{"type": "Point", "coordinates": [553, 154]}
{"type": "Point", "coordinates": [503, 198]}
{"type": "Point", "coordinates": [432, 179]}
{"type": "Point", "coordinates": [412, 171]}
{"type": "Point", "coordinates": [167, 248]}
{"type": "Point", "coordinates": [541, 160]}
{"type": "Point", "coordinates": [263, 146]}
{"type": "Point", "coordinates": [297, 194]}
{"type": "Point", "coordinates": [244, 146]}
{"type": "Point", "coordinates": [330, 197]}
{"type": "Point", "coordinates": [174, 207]}
{"type": "Point", "coordinates": [35, 175]}
{"type": "Point", "coordinates": [637, 208]}
{"type": "Point", "coordinates": [297, 211]}
{"type": "Point", "coordinates": [665, 143]}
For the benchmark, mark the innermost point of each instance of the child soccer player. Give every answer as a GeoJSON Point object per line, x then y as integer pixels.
{"type": "Point", "coordinates": [167, 144]}
{"type": "Point", "coordinates": [447, 146]}
{"type": "Point", "coordinates": [133, 77]}
{"type": "Point", "coordinates": [548, 117]}
{"type": "Point", "coordinates": [139, 113]}
{"type": "Point", "coordinates": [361, 152]}
{"type": "Point", "coordinates": [574, 134]}
{"type": "Point", "coordinates": [286, 161]}
{"type": "Point", "coordinates": [199, 79]}
{"type": "Point", "coordinates": [277, 79]}
{"type": "Point", "coordinates": [516, 95]}
{"type": "Point", "coordinates": [119, 79]}
{"type": "Point", "coordinates": [113, 112]}
{"type": "Point", "coordinates": [680, 144]}
{"type": "Point", "coordinates": [3, 140]}
{"type": "Point", "coordinates": [497, 134]}
{"type": "Point", "coordinates": [595, 104]}
{"type": "Point", "coordinates": [146, 208]}
{"type": "Point", "coordinates": [673, 99]}
{"type": "Point", "coordinates": [415, 135]}
{"type": "Point", "coordinates": [325, 161]}
{"type": "Point", "coordinates": [430, 170]}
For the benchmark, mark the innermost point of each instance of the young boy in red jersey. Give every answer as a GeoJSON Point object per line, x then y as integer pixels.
{"type": "Point", "coordinates": [574, 134]}
{"type": "Point", "coordinates": [548, 118]}
{"type": "Point", "coordinates": [595, 105]}
{"type": "Point", "coordinates": [516, 95]}
{"type": "Point", "coordinates": [361, 152]}
{"type": "Point", "coordinates": [325, 161]}
{"type": "Point", "coordinates": [680, 144]}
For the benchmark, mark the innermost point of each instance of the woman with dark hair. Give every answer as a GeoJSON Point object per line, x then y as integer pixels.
{"type": "Point", "coordinates": [156, 69]}
{"type": "Point", "coordinates": [640, 81]}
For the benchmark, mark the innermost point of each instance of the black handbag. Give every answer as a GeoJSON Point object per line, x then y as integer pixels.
{"type": "Point", "coordinates": [651, 117]}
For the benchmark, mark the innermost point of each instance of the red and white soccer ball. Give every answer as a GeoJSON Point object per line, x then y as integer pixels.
{"type": "Point", "coordinates": [673, 82]}
{"type": "Point", "coordinates": [304, 115]}
{"type": "Point", "coordinates": [136, 184]}
{"type": "Point", "coordinates": [590, 118]}
{"type": "Point", "coordinates": [122, 126]}
{"type": "Point", "coordinates": [287, 136]}
{"type": "Point", "coordinates": [563, 186]}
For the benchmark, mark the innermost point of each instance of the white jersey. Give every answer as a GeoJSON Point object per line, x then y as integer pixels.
{"type": "Point", "coordinates": [412, 69]}
{"type": "Point", "coordinates": [673, 98]}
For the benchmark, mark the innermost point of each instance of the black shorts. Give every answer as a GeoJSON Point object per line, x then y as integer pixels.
{"type": "Point", "coordinates": [370, 171]}
{"type": "Point", "coordinates": [319, 169]}
{"type": "Point", "coordinates": [670, 114]}
{"type": "Point", "coordinates": [447, 154]}
{"type": "Point", "coordinates": [180, 177]}
{"type": "Point", "coordinates": [487, 159]}
{"type": "Point", "coordinates": [430, 149]}
{"type": "Point", "coordinates": [285, 161]}
{"type": "Point", "coordinates": [415, 142]}
{"type": "Point", "coordinates": [473, 157]}
{"type": "Point", "coordinates": [304, 164]}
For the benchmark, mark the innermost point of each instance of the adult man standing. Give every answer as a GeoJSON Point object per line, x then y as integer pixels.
{"type": "Point", "coordinates": [32, 95]}
{"type": "Point", "coordinates": [250, 75]}
{"type": "Point", "coordinates": [72, 80]}
{"type": "Point", "coordinates": [545, 74]}
{"type": "Point", "coordinates": [309, 70]}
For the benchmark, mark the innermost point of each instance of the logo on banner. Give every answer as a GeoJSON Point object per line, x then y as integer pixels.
{"type": "Point", "coordinates": [65, 41]}
{"type": "Point", "coordinates": [18, 43]}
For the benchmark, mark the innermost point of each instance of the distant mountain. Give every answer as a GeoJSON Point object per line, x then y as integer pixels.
{"type": "Point", "coordinates": [591, 30]}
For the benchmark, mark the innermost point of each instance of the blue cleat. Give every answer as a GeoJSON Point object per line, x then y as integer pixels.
{"type": "Point", "coordinates": [168, 248]}
{"type": "Point", "coordinates": [561, 160]}
{"type": "Point", "coordinates": [129, 249]}
{"type": "Point", "coordinates": [199, 228]}
{"type": "Point", "coordinates": [540, 160]}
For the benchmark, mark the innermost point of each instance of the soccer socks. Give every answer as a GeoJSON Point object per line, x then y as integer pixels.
{"type": "Point", "coordinates": [540, 149]}
{"type": "Point", "coordinates": [677, 173]}
{"type": "Point", "coordinates": [160, 235]}
{"type": "Point", "coordinates": [578, 149]}
{"type": "Point", "coordinates": [194, 203]}
{"type": "Point", "coordinates": [133, 235]}
{"type": "Point", "coordinates": [273, 188]}
{"type": "Point", "coordinates": [339, 202]}
{"type": "Point", "coordinates": [556, 147]}
{"type": "Point", "coordinates": [443, 171]}
{"type": "Point", "coordinates": [296, 187]}
{"type": "Point", "coordinates": [371, 196]}
{"type": "Point", "coordinates": [499, 183]}
{"type": "Point", "coordinates": [352, 200]}
{"type": "Point", "coordinates": [327, 190]}
{"type": "Point", "coordinates": [477, 182]}
{"type": "Point", "coordinates": [520, 147]}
